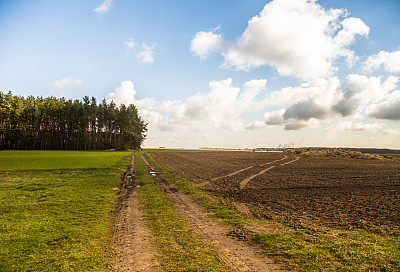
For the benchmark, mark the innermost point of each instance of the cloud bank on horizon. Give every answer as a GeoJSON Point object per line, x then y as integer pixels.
{"type": "Point", "coordinates": [295, 38]}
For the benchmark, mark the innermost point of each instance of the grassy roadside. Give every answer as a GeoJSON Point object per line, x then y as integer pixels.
{"type": "Point", "coordinates": [311, 249]}
{"type": "Point", "coordinates": [55, 209]}
{"type": "Point", "coordinates": [323, 249]}
{"type": "Point", "coordinates": [181, 249]}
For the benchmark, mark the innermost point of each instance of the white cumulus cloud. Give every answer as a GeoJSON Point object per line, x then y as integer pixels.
{"type": "Point", "coordinates": [204, 43]}
{"type": "Point", "coordinates": [391, 131]}
{"type": "Point", "coordinates": [320, 101]}
{"type": "Point", "coordinates": [124, 94]}
{"type": "Point", "coordinates": [357, 90]}
{"type": "Point", "coordinates": [355, 127]}
{"type": "Point", "coordinates": [389, 60]}
{"type": "Point", "coordinates": [146, 56]}
{"type": "Point", "coordinates": [389, 110]}
{"type": "Point", "coordinates": [312, 104]}
{"type": "Point", "coordinates": [220, 107]}
{"type": "Point", "coordinates": [103, 7]}
{"type": "Point", "coordinates": [65, 83]}
{"type": "Point", "coordinates": [297, 37]}
{"type": "Point", "coordinates": [130, 43]}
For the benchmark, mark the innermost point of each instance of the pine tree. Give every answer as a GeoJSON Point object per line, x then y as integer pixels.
{"type": "Point", "coordinates": [59, 124]}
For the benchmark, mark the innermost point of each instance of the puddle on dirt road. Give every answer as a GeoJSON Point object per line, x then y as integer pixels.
{"type": "Point", "coordinates": [130, 181]}
{"type": "Point", "coordinates": [153, 173]}
{"type": "Point", "coordinates": [131, 186]}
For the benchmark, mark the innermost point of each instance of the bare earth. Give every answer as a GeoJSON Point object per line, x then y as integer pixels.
{"type": "Point", "coordinates": [134, 249]}
{"type": "Point", "coordinates": [225, 238]}
{"type": "Point", "coordinates": [340, 189]}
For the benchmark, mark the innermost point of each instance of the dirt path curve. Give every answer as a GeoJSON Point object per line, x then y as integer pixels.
{"type": "Point", "coordinates": [284, 158]}
{"type": "Point", "coordinates": [134, 250]}
{"type": "Point", "coordinates": [239, 171]}
{"type": "Point", "coordinates": [235, 252]}
{"type": "Point", "coordinates": [244, 182]}
{"type": "Point", "coordinates": [296, 158]}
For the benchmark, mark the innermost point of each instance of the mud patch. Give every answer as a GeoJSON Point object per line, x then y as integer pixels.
{"type": "Point", "coordinates": [133, 246]}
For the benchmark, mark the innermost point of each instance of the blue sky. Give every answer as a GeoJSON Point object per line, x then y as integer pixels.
{"type": "Point", "coordinates": [242, 73]}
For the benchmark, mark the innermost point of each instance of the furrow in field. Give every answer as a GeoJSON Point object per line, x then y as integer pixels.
{"type": "Point", "coordinates": [202, 167]}
{"type": "Point", "coordinates": [235, 252]}
{"type": "Point", "coordinates": [244, 182]}
{"type": "Point", "coordinates": [241, 170]}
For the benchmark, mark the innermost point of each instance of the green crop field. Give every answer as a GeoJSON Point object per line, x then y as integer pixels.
{"type": "Point", "coordinates": [56, 209]}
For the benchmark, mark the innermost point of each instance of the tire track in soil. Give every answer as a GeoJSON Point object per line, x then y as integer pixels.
{"type": "Point", "coordinates": [239, 171]}
{"type": "Point", "coordinates": [132, 240]}
{"type": "Point", "coordinates": [225, 238]}
{"type": "Point", "coordinates": [244, 182]}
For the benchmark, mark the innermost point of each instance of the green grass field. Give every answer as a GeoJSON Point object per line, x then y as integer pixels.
{"type": "Point", "coordinates": [56, 209]}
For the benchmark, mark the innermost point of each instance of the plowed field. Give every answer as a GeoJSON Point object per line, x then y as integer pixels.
{"type": "Point", "coordinates": [296, 189]}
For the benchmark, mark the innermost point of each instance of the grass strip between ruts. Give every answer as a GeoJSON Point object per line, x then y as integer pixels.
{"type": "Point", "coordinates": [180, 249]}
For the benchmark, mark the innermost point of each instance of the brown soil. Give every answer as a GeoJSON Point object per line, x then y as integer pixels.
{"type": "Point", "coordinates": [227, 239]}
{"type": "Point", "coordinates": [208, 165]}
{"type": "Point", "coordinates": [334, 189]}
{"type": "Point", "coordinates": [133, 246]}
{"type": "Point", "coordinates": [244, 182]}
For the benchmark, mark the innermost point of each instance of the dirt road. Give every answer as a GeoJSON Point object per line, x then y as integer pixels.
{"type": "Point", "coordinates": [225, 238]}
{"type": "Point", "coordinates": [132, 239]}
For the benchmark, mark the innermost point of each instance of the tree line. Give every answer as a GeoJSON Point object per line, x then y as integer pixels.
{"type": "Point", "coordinates": [37, 123]}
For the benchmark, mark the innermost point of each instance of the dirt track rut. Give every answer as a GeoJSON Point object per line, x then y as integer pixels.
{"type": "Point", "coordinates": [132, 239]}
{"type": "Point", "coordinates": [244, 182]}
{"type": "Point", "coordinates": [233, 251]}
{"type": "Point", "coordinates": [241, 170]}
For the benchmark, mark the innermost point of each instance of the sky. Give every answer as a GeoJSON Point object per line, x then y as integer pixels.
{"type": "Point", "coordinates": [226, 73]}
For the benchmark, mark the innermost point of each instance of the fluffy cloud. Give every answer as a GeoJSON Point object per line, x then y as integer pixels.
{"type": "Point", "coordinates": [306, 110]}
{"type": "Point", "coordinates": [146, 56]}
{"type": "Point", "coordinates": [391, 131]}
{"type": "Point", "coordinates": [389, 60]}
{"type": "Point", "coordinates": [130, 43]}
{"type": "Point", "coordinates": [255, 125]}
{"type": "Point", "coordinates": [389, 110]}
{"type": "Point", "coordinates": [65, 83]}
{"type": "Point", "coordinates": [220, 107]}
{"type": "Point", "coordinates": [355, 127]}
{"type": "Point", "coordinates": [320, 90]}
{"type": "Point", "coordinates": [309, 105]}
{"type": "Point", "coordinates": [357, 90]}
{"type": "Point", "coordinates": [319, 101]}
{"type": "Point", "coordinates": [297, 37]}
{"type": "Point", "coordinates": [288, 121]}
{"type": "Point", "coordinates": [104, 7]}
{"type": "Point", "coordinates": [124, 94]}
{"type": "Point", "coordinates": [204, 43]}
{"type": "Point", "coordinates": [274, 118]}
